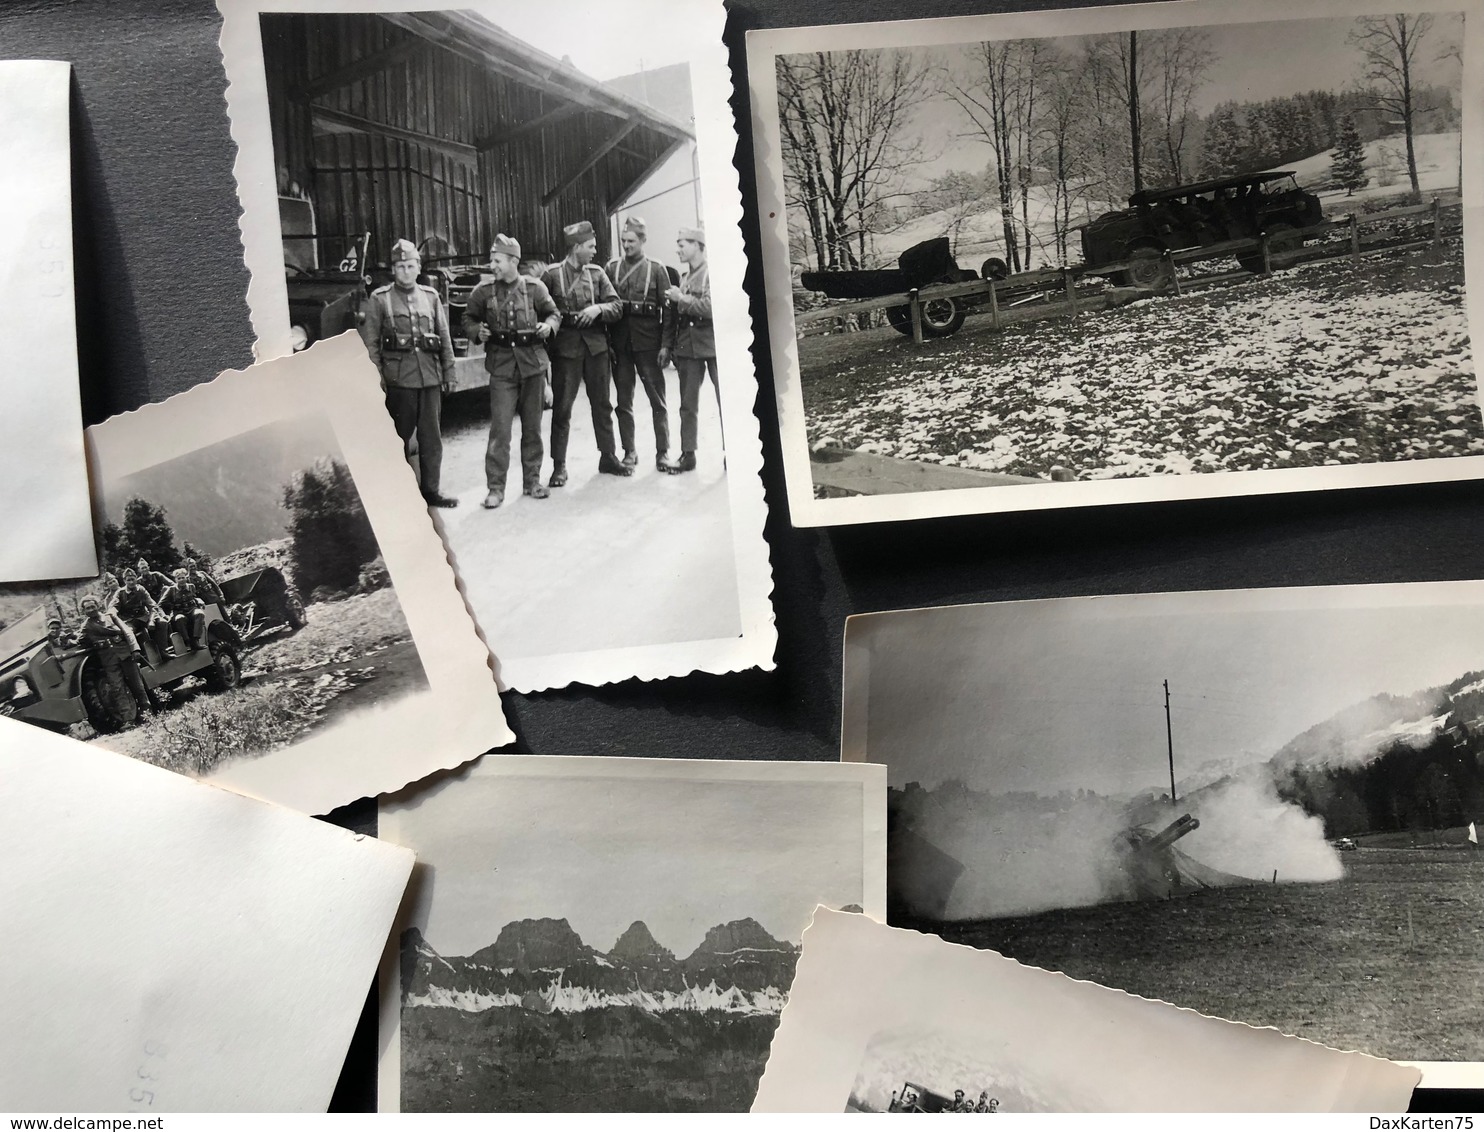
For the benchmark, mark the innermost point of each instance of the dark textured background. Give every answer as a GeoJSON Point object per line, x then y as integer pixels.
{"type": "Point", "coordinates": [161, 306]}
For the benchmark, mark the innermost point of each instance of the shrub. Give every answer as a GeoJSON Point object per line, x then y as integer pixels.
{"type": "Point", "coordinates": [330, 536]}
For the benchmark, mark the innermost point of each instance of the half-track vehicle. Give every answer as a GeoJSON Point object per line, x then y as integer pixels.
{"type": "Point", "coordinates": [58, 687]}
{"type": "Point", "coordinates": [1197, 215]}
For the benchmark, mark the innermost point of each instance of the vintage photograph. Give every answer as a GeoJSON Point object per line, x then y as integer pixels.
{"type": "Point", "coordinates": [524, 227]}
{"type": "Point", "coordinates": [886, 1020]}
{"type": "Point", "coordinates": [1119, 264]}
{"type": "Point", "coordinates": [244, 605]}
{"type": "Point", "coordinates": [612, 936]}
{"type": "Point", "coordinates": [1136, 790]}
{"type": "Point", "coordinates": [272, 595]}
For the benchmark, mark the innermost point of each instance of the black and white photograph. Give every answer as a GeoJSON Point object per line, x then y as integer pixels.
{"type": "Point", "coordinates": [1265, 805]}
{"type": "Point", "coordinates": [535, 234]}
{"type": "Point", "coordinates": [272, 593]}
{"type": "Point", "coordinates": [614, 935]}
{"type": "Point", "coordinates": [886, 1020]}
{"type": "Point", "coordinates": [1099, 257]}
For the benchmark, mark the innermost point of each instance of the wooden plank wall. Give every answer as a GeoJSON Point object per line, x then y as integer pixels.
{"type": "Point", "coordinates": [395, 188]}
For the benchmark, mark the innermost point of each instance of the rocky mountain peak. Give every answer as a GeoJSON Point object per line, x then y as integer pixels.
{"type": "Point", "coordinates": [637, 944]}
{"type": "Point", "coordinates": [738, 935]}
{"type": "Point", "coordinates": [528, 945]}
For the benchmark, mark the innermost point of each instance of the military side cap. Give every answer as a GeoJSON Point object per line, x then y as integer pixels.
{"type": "Point", "coordinates": [405, 249]}
{"type": "Point", "coordinates": [636, 225]}
{"type": "Point", "coordinates": [696, 234]}
{"type": "Point", "coordinates": [505, 245]}
{"type": "Point", "coordinates": [578, 233]}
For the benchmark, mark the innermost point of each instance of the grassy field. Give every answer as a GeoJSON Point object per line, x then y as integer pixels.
{"type": "Point", "coordinates": [1389, 960]}
{"type": "Point", "coordinates": [614, 1059]}
{"type": "Point", "coordinates": [1328, 363]}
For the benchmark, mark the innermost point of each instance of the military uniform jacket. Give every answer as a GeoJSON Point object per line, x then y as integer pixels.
{"type": "Point", "coordinates": [574, 288]}
{"type": "Point", "coordinates": [155, 583]}
{"type": "Point", "coordinates": [180, 599]}
{"type": "Point", "coordinates": [102, 636]}
{"type": "Point", "coordinates": [642, 282]}
{"type": "Point", "coordinates": [691, 335]}
{"type": "Point", "coordinates": [507, 308]}
{"type": "Point", "coordinates": [413, 315]}
{"type": "Point", "coordinates": [135, 603]}
{"type": "Point", "coordinates": [206, 586]}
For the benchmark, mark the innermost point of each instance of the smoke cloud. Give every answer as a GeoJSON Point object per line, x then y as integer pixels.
{"type": "Point", "coordinates": [1024, 854]}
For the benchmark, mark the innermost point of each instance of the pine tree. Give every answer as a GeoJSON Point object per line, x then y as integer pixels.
{"type": "Point", "coordinates": [1222, 146]}
{"type": "Point", "coordinates": [1348, 166]}
{"type": "Point", "coordinates": [147, 534]}
{"type": "Point", "coordinates": [330, 537]}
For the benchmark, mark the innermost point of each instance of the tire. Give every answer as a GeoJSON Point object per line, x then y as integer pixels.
{"type": "Point", "coordinates": [940, 318]}
{"type": "Point", "coordinates": [108, 713]}
{"type": "Point", "coordinates": [994, 268]}
{"type": "Point", "coordinates": [1284, 245]}
{"type": "Point", "coordinates": [900, 319]}
{"type": "Point", "coordinates": [293, 609]}
{"type": "Point", "coordinates": [225, 671]}
{"type": "Point", "coordinates": [1148, 269]}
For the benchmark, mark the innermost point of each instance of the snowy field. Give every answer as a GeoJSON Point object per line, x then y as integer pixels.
{"type": "Point", "coordinates": [1329, 363]}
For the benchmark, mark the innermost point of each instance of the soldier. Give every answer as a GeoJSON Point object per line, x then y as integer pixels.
{"type": "Point", "coordinates": [110, 646]}
{"type": "Point", "coordinates": [59, 638]}
{"type": "Point", "coordinates": [182, 604]}
{"type": "Point", "coordinates": [108, 588]}
{"type": "Point", "coordinates": [691, 341]}
{"type": "Point", "coordinates": [152, 580]}
{"type": "Point", "coordinates": [407, 335]}
{"type": "Point", "coordinates": [137, 609]}
{"type": "Point", "coordinates": [513, 316]}
{"type": "Point", "coordinates": [579, 350]}
{"type": "Point", "coordinates": [637, 337]}
{"type": "Point", "coordinates": [207, 587]}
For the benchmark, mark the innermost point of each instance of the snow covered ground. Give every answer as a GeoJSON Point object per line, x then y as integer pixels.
{"type": "Point", "coordinates": [1325, 364]}
{"type": "Point", "coordinates": [605, 563]}
{"type": "Point", "coordinates": [1386, 164]}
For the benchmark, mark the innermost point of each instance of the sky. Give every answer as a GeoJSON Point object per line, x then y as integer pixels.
{"type": "Point", "coordinates": [1053, 695]}
{"type": "Point", "coordinates": [1253, 61]}
{"type": "Point", "coordinates": [613, 40]}
{"type": "Point", "coordinates": [604, 851]}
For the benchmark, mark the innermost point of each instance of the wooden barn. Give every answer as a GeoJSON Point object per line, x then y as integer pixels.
{"type": "Point", "coordinates": [441, 128]}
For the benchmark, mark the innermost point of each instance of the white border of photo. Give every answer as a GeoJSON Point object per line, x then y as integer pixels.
{"type": "Point", "coordinates": [764, 46]}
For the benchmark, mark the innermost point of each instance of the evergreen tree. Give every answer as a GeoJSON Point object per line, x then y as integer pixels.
{"type": "Point", "coordinates": [147, 534]}
{"type": "Point", "coordinates": [112, 550]}
{"type": "Point", "coordinates": [1222, 148]}
{"type": "Point", "coordinates": [1348, 166]}
{"type": "Point", "coordinates": [330, 537]}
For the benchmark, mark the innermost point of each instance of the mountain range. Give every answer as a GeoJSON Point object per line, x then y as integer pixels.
{"type": "Point", "coordinates": [543, 965]}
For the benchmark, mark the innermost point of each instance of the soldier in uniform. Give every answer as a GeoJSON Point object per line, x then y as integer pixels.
{"type": "Point", "coordinates": [579, 350]}
{"type": "Point", "coordinates": [182, 604]}
{"type": "Point", "coordinates": [59, 638]}
{"type": "Point", "coordinates": [137, 608]}
{"type": "Point", "coordinates": [407, 335]}
{"type": "Point", "coordinates": [637, 337]}
{"type": "Point", "coordinates": [106, 640]}
{"type": "Point", "coordinates": [513, 316]}
{"type": "Point", "coordinates": [207, 587]}
{"type": "Point", "coordinates": [691, 340]}
{"type": "Point", "coordinates": [152, 580]}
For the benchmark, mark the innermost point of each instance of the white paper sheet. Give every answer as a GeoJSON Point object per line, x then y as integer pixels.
{"type": "Point", "coordinates": [173, 947]}
{"type": "Point", "coordinates": [877, 1014]}
{"type": "Point", "coordinates": [41, 453]}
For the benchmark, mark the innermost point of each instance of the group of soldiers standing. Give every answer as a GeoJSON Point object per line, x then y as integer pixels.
{"type": "Point", "coordinates": [145, 605]}
{"type": "Point", "coordinates": [573, 326]}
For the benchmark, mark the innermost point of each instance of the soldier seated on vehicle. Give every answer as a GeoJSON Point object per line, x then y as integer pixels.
{"type": "Point", "coordinates": [109, 645]}
{"type": "Point", "coordinates": [186, 611]}
{"type": "Point", "coordinates": [206, 586]}
{"type": "Point", "coordinates": [152, 580]}
{"type": "Point", "coordinates": [138, 610]}
{"type": "Point", "coordinates": [58, 637]}
{"type": "Point", "coordinates": [986, 1103]}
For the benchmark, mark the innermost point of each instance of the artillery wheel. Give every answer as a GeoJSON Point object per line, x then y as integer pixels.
{"type": "Point", "coordinates": [940, 318]}
{"type": "Point", "coordinates": [293, 609]}
{"type": "Point", "coordinates": [226, 666]}
{"type": "Point", "coordinates": [109, 710]}
{"type": "Point", "coordinates": [900, 319]}
{"type": "Point", "coordinates": [1148, 268]}
{"type": "Point", "coordinates": [994, 268]}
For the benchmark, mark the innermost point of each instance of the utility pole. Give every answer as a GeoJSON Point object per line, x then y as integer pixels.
{"type": "Point", "coordinates": [1170, 742]}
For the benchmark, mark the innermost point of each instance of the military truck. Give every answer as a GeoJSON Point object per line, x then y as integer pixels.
{"type": "Point", "coordinates": [326, 275]}
{"type": "Point", "coordinates": [56, 688]}
{"type": "Point", "coordinates": [1197, 215]}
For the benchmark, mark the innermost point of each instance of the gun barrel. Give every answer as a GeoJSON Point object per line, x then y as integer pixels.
{"type": "Point", "coordinates": [1173, 832]}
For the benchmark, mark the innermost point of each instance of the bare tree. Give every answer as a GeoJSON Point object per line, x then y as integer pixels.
{"type": "Point", "coordinates": [842, 119]}
{"type": "Point", "coordinates": [959, 195]}
{"type": "Point", "coordinates": [996, 86]}
{"type": "Point", "coordinates": [1064, 108]}
{"type": "Point", "coordinates": [1134, 99]}
{"type": "Point", "coordinates": [1177, 60]}
{"type": "Point", "coordinates": [1389, 46]}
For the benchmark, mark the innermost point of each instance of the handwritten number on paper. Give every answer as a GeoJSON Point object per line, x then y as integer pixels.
{"type": "Point", "coordinates": [148, 1070]}
{"type": "Point", "coordinates": [142, 1096]}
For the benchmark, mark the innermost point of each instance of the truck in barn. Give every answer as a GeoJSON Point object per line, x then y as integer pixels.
{"type": "Point", "coordinates": [325, 275]}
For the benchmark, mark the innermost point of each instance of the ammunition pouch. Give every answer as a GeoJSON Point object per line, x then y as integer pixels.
{"type": "Point", "coordinates": [512, 338]}
{"type": "Point", "coordinates": [641, 310]}
{"type": "Point", "coordinates": [686, 321]}
{"type": "Point", "coordinates": [394, 343]}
